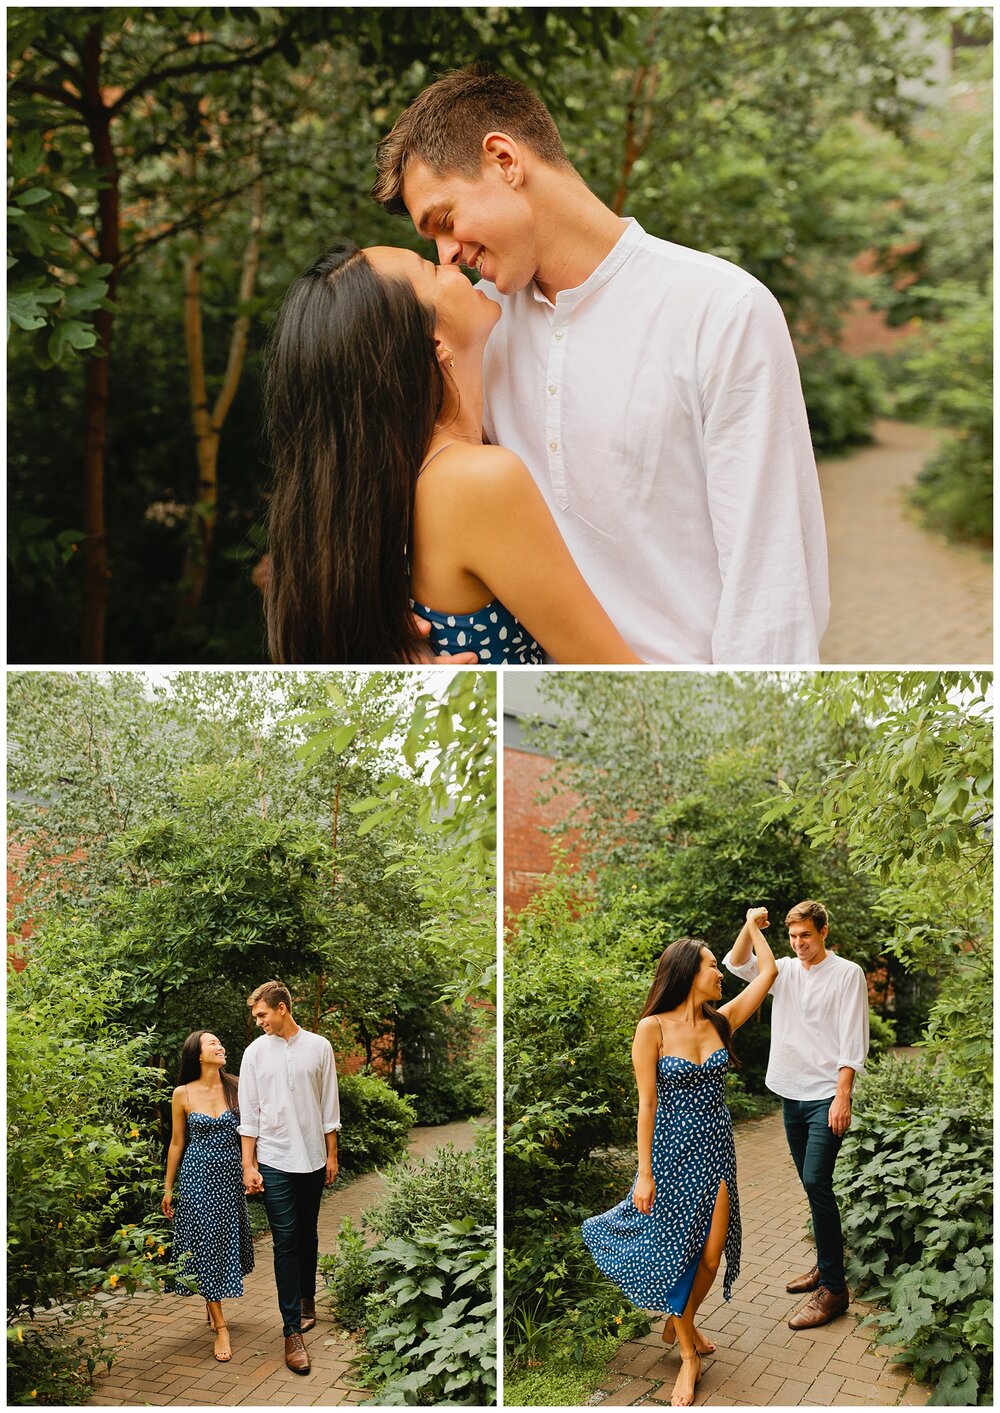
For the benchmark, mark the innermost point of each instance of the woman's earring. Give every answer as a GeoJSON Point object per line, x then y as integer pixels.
{"type": "Point", "coordinates": [448, 357]}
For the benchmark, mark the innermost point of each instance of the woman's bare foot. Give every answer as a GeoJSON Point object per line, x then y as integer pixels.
{"type": "Point", "coordinates": [701, 1344]}
{"type": "Point", "coordinates": [223, 1351]}
{"type": "Point", "coordinates": [687, 1379]}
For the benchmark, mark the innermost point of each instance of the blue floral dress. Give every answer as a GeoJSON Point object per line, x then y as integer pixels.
{"type": "Point", "coordinates": [653, 1256]}
{"type": "Point", "coordinates": [212, 1242]}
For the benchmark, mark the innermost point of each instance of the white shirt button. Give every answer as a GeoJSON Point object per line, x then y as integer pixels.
{"type": "Point", "coordinates": [558, 334]}
{"type": "Point", "coordinates": [552, 387]}
{"type": "Point", "coordinates": [553, 446]}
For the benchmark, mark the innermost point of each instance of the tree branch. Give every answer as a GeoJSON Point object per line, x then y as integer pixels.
{"type": "Point", "coordinates": [168, 73]}
{"type": "Point", "coordinates": [48, 90]}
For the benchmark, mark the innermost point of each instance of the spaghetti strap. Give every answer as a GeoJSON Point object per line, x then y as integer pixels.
{"type": "Point", "coordinates": [432, 456]}
{"type": "Point", "coordinates": [662, 1044]}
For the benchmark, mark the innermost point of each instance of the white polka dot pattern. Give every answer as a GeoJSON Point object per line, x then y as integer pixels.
{"type": "Point", "coordinates": [474, 632]}
{"type": "Point", "coordinates": [653, 1256]}
{"type": "Point", "coordinates": [211, 1226]}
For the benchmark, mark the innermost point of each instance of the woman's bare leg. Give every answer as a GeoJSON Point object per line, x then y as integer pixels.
{"type": "Point", "coordinates": [708, 1267]}
{"type": "Point", "coordinates": [223, 1351]}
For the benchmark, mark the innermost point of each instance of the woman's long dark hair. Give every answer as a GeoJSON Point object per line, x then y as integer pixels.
{"type": "Point", "coordinates": [190, 1069]}
{"type": "Point", "coordinates": [352, 390]}
{"type": "Point", "coordinates": [675, 973]}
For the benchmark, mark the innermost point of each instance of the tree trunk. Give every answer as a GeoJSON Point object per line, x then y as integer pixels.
{"type": "Point", "coordinates": [96, 571]}
{"type": "Point", "coordinates": [208, 425]}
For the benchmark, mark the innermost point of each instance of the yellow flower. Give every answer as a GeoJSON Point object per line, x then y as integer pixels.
{"type": "Point", "coordinates": [113, 1281]}
{"type": "Point", "coordinates": [34, 1393]}
{"type": "Point", "coordinates": [618, 1319]}
{"type": "Point", "coordinates": [20, 1335]}
{"type": "Point", "coordinates": [133, 1133]}
{"type": "Point", "coordinates": [59, 1226]}
{"type": "Point", "coordinates": [161, 1251]}
{"type": "Point", "coordinates": [150, 1240]}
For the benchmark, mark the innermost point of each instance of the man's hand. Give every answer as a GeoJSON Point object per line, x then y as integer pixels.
{"type": "Point", "coordinates": [252, 1180]}
{"type": "Point", "coordinates": [332, 1169]}
{"type": "Point", "coordinates": [645, 1193]}
{"type": "Point", "coordinates": [839, 1118]}
{"type": "Point", "coordinates": [758, 916]}
{"type": "Point", "coordinates": [453, 659]}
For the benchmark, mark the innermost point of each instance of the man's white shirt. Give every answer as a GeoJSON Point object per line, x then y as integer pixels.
{"type": "Point", "coordinates": [659, 408]}
{"type": "Point", "coordinates": [289, 1100]}
{"type": "Point", "coordinates": [819, 1024]}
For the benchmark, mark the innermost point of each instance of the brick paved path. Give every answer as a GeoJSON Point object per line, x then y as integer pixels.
{"type": "Point", "coordinates": [165, 1348]}
{"type": "Point", "coordinates": [899, 594]}
{"type": "Point", "coordinates": [760, 1361]}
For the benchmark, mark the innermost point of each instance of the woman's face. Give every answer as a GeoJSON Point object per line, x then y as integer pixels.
{"type": "Point", "coordinates": [709, 977]}
{"type": "Point", "coordinates": [463, 316]}
{"type": "Point", "coordinates": [212, 1050]}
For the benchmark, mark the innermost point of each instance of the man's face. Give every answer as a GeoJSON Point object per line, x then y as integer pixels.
{"type": "Point", "coordinates": [483, 224]}
{"type": "Point", "coordinates": [807, 941]}
{"type": "Point", "coordinates": [267, 1017]}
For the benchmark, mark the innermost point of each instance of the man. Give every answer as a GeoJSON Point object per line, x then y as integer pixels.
{"type": "Point", "coordinates": [289, 1118]}
{"type": "Point", "coordinates": [819, 1041]}
{"type": "Point", "coordinates": [652, 390]}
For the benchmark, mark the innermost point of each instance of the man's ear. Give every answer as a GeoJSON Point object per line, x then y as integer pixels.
{"type": "Point", "coordinates": [501, 151]}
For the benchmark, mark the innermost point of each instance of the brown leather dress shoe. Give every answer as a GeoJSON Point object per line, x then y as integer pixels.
{"type": "Point", "coordinates": [295, 1354]}
{"type": "Point", "coordinates": [801, 1285]}
{"type": "Point", "coordinates": [308, 1304]}
{"type": "Point", "coordinates": [821, 1309]}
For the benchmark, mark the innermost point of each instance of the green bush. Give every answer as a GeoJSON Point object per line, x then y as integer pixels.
{"type": "Point", "coordinates": [948, 380]}
{"type": "Point", "coordinates": [843, 397]}
{"type": "Point", "coordinates": [915, 1180]}
{"type": "Point", "coordinates": [447, 1091]}
{"type": "Point", "coordinates": [428, 1194]}
{"type": "Point", "coordinates": [882, 1033]}
{"type": "Point", "coordinates": [376, 1121]}
{"type": "Point", "coordinates": [79, 1168]}
{"type": "Point", "coordinates": [432, 1330]}
{"type": "Point", "coordinates": [347, 1276]}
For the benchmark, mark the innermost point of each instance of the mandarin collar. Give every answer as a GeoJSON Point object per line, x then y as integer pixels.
{"type": "Point", "coordinates": [610, 265]}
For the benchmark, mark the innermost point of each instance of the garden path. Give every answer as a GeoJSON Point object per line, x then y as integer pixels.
{"type": "Point", "coordinates": [164, 1347]}
{"type": "Point", "coordinates": [899, 593]}
{"type": "Point", "coordinates": [760, 1361]}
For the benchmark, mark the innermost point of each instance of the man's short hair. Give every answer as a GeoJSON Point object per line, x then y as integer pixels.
{"type": "Point", "coordinates": [445, 125]}
{"type": "Point", "coordinates": [808, 912]}
{"type": "Point", "coordinates": [273, 994]}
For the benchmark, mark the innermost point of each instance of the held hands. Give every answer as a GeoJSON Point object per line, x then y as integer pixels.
{"type": "Point", "coordinates": [839, 1118]}
{"type": "Point", "coordinates": [252, 1180]}
{"type": "Point", "coordinates": [758, 916]}
{"type": "Point", "coordinates": [644, 1194]}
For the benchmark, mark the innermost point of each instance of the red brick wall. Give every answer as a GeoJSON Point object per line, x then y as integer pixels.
{"type": "Point", "coordinates": [527, 852]}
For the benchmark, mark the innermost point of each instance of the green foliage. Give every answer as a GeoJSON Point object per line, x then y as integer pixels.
{"type": "Point", "coordinates": [882, 1034]}
{"type": "Point", "coordinates": [376, 1121]}
{"type": "Point", "coordinates": [426, 1292]}
{"type": "Point", "coordinates": [558, 1383]}
{"type": "Point", "coordinates": [80, 1164]}
{"type": "Point", "coordinates": [346, 1275]}
{"type": "Point", "coordinates": [915, 1179]}
{"type": "Point", "coordinates": [429, 1193]}
{"type": "Point", "coordinates": [843, 396]}
{"type": "Point", "coordinates": [432, 1335]}
{"type": "Point", "coordinates": [948, 380]}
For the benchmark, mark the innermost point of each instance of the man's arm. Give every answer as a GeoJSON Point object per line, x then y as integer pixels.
{"type": "Point", "coordinates": [852, 1049]}
{"type": "Point", "coordinates": [763, 492]}
{"type": "Point", "coordinates": [330, 1108]}
{"type": "Point", "coordinates": [249, 1124]}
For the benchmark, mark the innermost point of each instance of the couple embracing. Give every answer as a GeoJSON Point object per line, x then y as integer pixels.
{"type": "Point", "coordinates": [599, 454]}
{"type": "Point", "coordinates": [273, 1131]}
{"type": "Point", "coordinates": [664, 1243]}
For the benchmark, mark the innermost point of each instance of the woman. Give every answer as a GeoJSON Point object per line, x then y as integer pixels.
{"type": "Point", "coordinates": [663, 1244]}
{"type": "Point", "coordinates": [212, 1239]}
{"type": "Point", "coordinates": [387, 508]}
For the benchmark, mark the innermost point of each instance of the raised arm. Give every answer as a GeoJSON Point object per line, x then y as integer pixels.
{"type": "Point", "coordinates": [645, 1049]}
{"type": "Point", "coordinates": [178, 1139]}
{"type": "Point", "coordinates": [514, 546]}
{"type": "Point", "coordinates": [743, 1006]}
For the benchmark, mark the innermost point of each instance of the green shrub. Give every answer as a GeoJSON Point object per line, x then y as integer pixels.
{"type": "Point", "coordinates": [882, 1034]}
{"type": "Point", "coordinates": [444, 1092]}
{"type": "Point", "coordinates": [428, 1194]}
{"type": "Point", "coordinates": [948, 380]}
{"type": "Point", "coordinates": [843, 396]}
{"type": "Point", "coordinates": [432, 1332]}
{"type": "Point", "coordinates": [347, 1276]}
{"type": "Point", "coordinates": [915, 1180]}
{"type": "Point", "coordinates": [376, 1121]}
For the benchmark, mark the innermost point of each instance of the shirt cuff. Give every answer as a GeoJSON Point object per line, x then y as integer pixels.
{"type": "Point", "coordinates": [246, 1131]}
{"type": "Point", "coordinates": [746, 972]}
{"type": "Point", "coordinates": [332, 1128]}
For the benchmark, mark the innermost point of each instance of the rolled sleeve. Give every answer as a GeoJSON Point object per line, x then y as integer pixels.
{"type": "Point", "coordinates": [852, 1041]}
{"type": "Point", "coordinates": [746, 972]}
{"type": "Point", "coordinates": [249, 1124]}
{"type": "Point", "coordinates": [763, 493]}
{"type": "Point", "coordinates": [330, 1093]}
